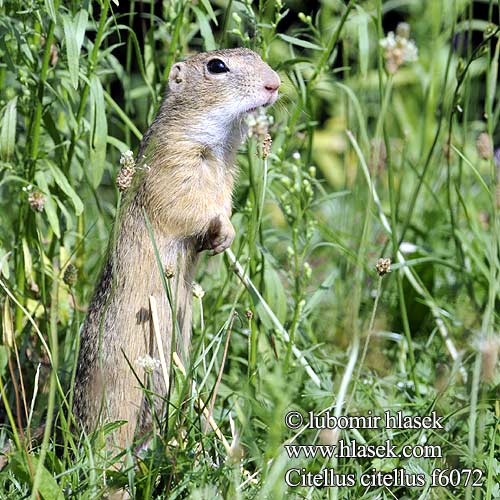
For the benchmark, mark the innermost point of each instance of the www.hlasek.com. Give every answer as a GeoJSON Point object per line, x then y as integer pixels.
{"type": "Point", "coordinates": [343, 448]}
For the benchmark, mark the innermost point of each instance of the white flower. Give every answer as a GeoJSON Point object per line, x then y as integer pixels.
{"type": "Point", "coordinates": [407, 247]}
{"type": "Point", "coordinates": [148, 363]}
{"type": "Point", "coordinates": [198, 292]}
{"type": "Point", "coordinates": [389, 42]}
{"type": "Point", "coordinates": [127, 159]}
{"type": "Point", "coordinates": [307, 270]}
{"type": "Point", "coordinates": [127, 171]}
{"type": "Point", "coordinates": [398, 48]}
{"type": "Point", "coordinates": [410, 51]}
{"type": "Point", "coordinates": [296, 156]}
{"type": "Point", "coordinates": [258, 124]}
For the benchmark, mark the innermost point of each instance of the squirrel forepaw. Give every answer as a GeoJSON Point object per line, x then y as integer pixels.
{"type": "Point", "coordinates": [219, 236]}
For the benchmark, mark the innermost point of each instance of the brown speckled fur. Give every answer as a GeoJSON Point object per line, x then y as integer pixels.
{"type": "Point", "coordinates": [186, 193]}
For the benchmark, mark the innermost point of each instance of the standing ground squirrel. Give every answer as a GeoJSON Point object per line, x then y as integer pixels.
{"type": "Point", "coordinates": [186, 191]}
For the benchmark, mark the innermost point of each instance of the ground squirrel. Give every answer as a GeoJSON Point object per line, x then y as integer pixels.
{"type": "Point", "coordinates": [184, 184]}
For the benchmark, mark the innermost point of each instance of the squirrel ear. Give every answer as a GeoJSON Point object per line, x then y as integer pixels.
{"type": "Point", "coordinates": [176, 76]}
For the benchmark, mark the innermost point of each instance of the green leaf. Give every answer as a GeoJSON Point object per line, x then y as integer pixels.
{"type": "Point", "coordinates": [28, 261]}
{"type": "Point", "coordinates": [48, 488]}
{"type": "Point", "coordinates": [8, 325]}
{"type": "Point", "coordinates": [49, 5]}
{"type": "Point", "coordinates": [66, 214]}
{"type": "Point", "coordinates": [7, 59]}
{"type": "Point", "coordinates": [74, 32]}
{"type": "Point", "coordinates": [51, 127]}
{"type": "Point", "coordinates": [205, 30]}
{"type": "Point", "coordinates": [4, 359]}
{"type": "Point", "coordinates": [301, 43]}
{"type": "Point", "coordinates": [363, 42]}
{"type": "Point", "coordinates": [50, 208]}
{"type": "Point", "coordinates": [210, 11]}
{"type": "Point", "coordinates": [63, 183]}
{"type": "Point", "coordinates": [119, 145]}
{"type": "Point", "coordinates": [98, 131]}
{"type": "Point", "coordinates": [493, 77]}
{"type": "Point", "coordinates": [4, 263]}
{"type": "Point", "coordinates": [149, 61]}
{"type": "Point", "coordinates": [80, 24]}
{"type": "Point", "coordinates": [359, 113]}
{"type": "Point", "coordinates": [474, 170]}
{"type": "Point", "coordinates": [139, 60]}
{"type": "Point", "coordinates": [8, 130]}
{"type": "Point", "coordinates": [71, 49]}
{"type": "Point", "coordinates": [274, 293]}
{"type": "Point", "coordinates": [314, 299]}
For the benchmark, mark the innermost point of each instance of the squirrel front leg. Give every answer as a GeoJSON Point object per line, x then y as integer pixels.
{"type": "Point", "coordinates": [219, 236]}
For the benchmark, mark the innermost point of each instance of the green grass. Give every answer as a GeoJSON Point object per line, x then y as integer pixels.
{"type": "Point", "coordinates": [365, 163]}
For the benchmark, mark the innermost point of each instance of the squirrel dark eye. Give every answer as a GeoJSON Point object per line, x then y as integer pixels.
{"type": "Point", "coordinates": [217, 66]}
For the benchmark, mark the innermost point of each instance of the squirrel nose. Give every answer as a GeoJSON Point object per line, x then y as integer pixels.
{"type": "Point", "coordinates": [273, 83]}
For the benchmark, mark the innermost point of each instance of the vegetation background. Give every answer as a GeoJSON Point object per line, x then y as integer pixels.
{"type": "Point", "coordinates": [376, 154]}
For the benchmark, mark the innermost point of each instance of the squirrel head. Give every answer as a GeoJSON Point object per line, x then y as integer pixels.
{"type": "Point", "coordinates": [231, 82]}
{"type": "Point", "coordinates": [210, 93]}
